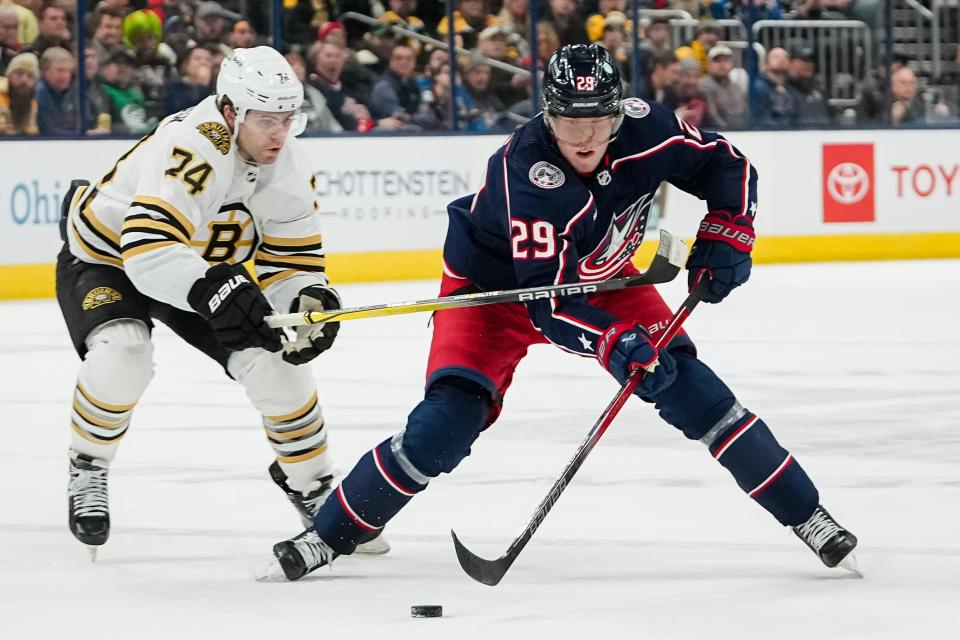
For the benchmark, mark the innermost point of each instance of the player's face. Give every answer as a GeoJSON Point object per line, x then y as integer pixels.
{"type": "Point", "coordinates": [263, 134]}
{"type": "Point", "coordinates": [582, 141]}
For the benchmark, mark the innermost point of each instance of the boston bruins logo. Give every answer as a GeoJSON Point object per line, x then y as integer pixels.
{"type": "Point", "coordinates": [217, 134]}
{"type": "Point", "coordinates": [99, 297]}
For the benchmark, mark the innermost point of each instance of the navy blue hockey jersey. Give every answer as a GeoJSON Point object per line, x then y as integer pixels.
{"type": "Point", "coordinates": [535, 221]}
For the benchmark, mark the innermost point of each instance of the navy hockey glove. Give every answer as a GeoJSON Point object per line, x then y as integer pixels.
{"type": "Point", "coordinates": [312, 339]}
{"type": "Point", "coordinates": [234, 308]}
{"type": "Point", "coordinates": [721, 252]}
{"type": "Point", "coordinates": [624, 348]}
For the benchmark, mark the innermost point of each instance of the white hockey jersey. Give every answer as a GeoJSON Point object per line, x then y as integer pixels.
{"type": "Point", "coordinates": [182, 199]}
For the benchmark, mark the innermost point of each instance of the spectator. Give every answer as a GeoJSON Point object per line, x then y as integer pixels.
{"type": "Point", "coordinates": [396, 96]}
{"type": "Point", "coordinates": [196, 76]}
{"type": "Point", "coordinates": [514, 19]}
{"type": "Point", "coordinates": [690, 104]}
{"type": "Point", "coordinates": [656, 40]}
{"type": "Point", "coordinates": [27, 29]}
{"type": "Point", "coordinates": [98, 104]}
{"type": "Point", "coordinates": [568, 22]}
{"type": "Point", "coordinates": [9, 42]}
{"type": "Point", "coordinates": [740, 9]}
{"type": "Point", "coordinates": [614, 40]}
{"type": "Point", "coordinates": [57, 101]}
{"type": "Point", "coordinates": [243, 36]}
{"type": "Point", "coordinates": [153, 60]}
{"type": "Point", "coordinates": [319, 117]}
{"type": "Point", "coordinates": [596, 24]}
{"type": "Point", "coordinates": [509, 88]}
{"type": "Point", "coordinates": [328, 63]}
{"type": "Point", "coordinates": [664, 76]}
{"type": "Point", "coordinates": [333, 32]}
{"type": "Point", "coordinates": [907, 106]}
{"type": "Point", "coordinates": [487, 107]}
{"type": "Point", "coordinates": [694, 7]}
{"type": "Point", "coordinates": [54, 32]}
{"type": "Point", "coordinates": [812, 108]}
{"type": "Point", "coordinates": [107, 29]}
{"type": "Point", "coordinates": [726, 100]}
{"type": "Point", "coordinates": [776, 103]}
{"type": "Point", "coordinates": [470, 18]}
{"type": "Point", "coordinates": [18, 104]}
{"type": "Point", "coordinates": [401, 13]}
{"type": "Point", "coordinates": [872, 96]}
{"type": "Point", "coordinates": [211, 23]}
{"type": "Point", "coordinates": [707, 37]}
{"type": "Point", "coordinates": [128, 113]}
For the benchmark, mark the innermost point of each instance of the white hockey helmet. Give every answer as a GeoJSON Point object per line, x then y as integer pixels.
{"type": "Point", "coordinates": [260, 78]}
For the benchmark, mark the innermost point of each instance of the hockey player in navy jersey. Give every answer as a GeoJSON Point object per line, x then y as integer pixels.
{"type": "Point", "coordinates": [565, 200]}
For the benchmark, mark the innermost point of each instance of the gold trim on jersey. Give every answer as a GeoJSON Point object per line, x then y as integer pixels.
{"type": "Point", "coordinates": [293, 242]}
{"type": "Point", "coordinates": [276, 276]}
{"type": "Point", "coordinates": [142, 224]}
{"type": "Point", "coordinates": [270, 259]}
{"type": "Point", "coordinates": [310, 430]}
{"type": "Point", "coordinates": [93, 252]}
{"type": "Point", "coordinates": [297, 413]}
{"type": "Point", "coordinates": [91, 220]}
{"type": "Point", "coordinates": [303, 456]}
{"type": "Point", "coordinates": [111, 408]}
{"type": "Point", "coordinates": [129, 254]}
{"type": "Point", "coordinates": [167, 208]}
{"type": "Point", "coordinates": [110, 174]}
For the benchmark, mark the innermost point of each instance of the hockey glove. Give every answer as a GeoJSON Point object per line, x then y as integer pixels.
{"type": "Point", "coordinates": [312, 339]}
{"type": "Point", "coordinates": [234, 308]}
{"type": "Point", "coordinates": [624, 348]}
{"type": "Point", "coordinates": [722, 252]}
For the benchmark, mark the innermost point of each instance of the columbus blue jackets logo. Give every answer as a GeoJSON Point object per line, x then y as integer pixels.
{"type": "Point", "coordinates": [546, 176]}
{"type": "Point", "coordinates": [635, 108]}
{"type": "Point", "coordinates": [619, 244]}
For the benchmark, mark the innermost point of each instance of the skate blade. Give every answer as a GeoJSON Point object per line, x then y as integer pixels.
{"type": "Point", "coordinates": [376, 547]}
{"type": "Point", "coordinates": [850, 564]}
{"type": "Point", "coordinates": [271, 573]}
{"type": "Point", "coordinates": [92, 550]}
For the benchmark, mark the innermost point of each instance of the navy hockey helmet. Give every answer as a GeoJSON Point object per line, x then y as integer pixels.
{"type": "Point", "coordinates": [581, 81]}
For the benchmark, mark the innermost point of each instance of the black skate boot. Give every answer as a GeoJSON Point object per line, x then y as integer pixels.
{"type": "Point", "coordinates": [829, 540]}
{"type": "Point", "coordinates": [87, 501]}
{"type": "Point", "coordinates": [299, 556]}
{"type": "Point", "coordinates": [308, 505]}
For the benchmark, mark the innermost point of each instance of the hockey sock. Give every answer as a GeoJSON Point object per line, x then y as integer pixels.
{"type": "Point", "coordinates": [767, 472]}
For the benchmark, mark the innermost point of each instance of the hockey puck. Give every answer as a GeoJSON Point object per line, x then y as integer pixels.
{"type": "Point", "coordinates": [426, 611]}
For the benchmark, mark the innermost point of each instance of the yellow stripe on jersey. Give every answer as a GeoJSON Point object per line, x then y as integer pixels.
{"type": "Point", "coordinates": [168, 209]}
{"type": "Point", "coordinates": [129, 254]}
{"type": "Point", "coordinates": [99, 422]}
{"type": "Point", "coordinates": [142, 224]}
{"type": "Point", "coordinates": [91, 220]}
{"type": "Point", "coordinates": [267, 259]}
{"type": "Point", "coordinates": [309, 430]}
{"type": "Point", "coordinates": [303, 456]}
{"type": "Point", "coordinates": [112, 408]}
{"type": "Point", "coordinates": [93, 252]}
{"type": "Point", "coordinates": [276, 276]}
{"type": "Point", "coordinates": [298, 413]}
{"type": "Point", "coordinates": [293, 242]}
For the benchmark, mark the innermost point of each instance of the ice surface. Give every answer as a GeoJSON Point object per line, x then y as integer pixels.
{"type": "Point", "coordinates": [856, 367]}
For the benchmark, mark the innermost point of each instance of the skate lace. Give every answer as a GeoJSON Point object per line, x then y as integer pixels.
{"type": "Point", "coordinates": [818, 529]}
{"type": "Point", "coordinates": [313, 549]}
{"type": "Point", "coordinates": [88, 488]}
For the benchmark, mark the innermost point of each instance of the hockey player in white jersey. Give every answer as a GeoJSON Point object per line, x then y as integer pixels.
{"type": "Point", "coordinates": [163, 236]}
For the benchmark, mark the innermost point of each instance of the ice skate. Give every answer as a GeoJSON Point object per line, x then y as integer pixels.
{"type": "Point", "coordinates": [88, 508]}
{"type": "Point", "coordinates": [297, 557]}
{"type": "Point", "coordinates": [831, 542]}
{"type": "Point", "coordinates": [307, 506]}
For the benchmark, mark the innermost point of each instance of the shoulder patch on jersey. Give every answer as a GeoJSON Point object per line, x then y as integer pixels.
{"type": "Point", "coordinates": [546, 176]}
{"type": "Point", "coordinates": [636, 108]}
{"type": "Point", "coordinates": [100, 296]}
{"type": "Point", "coordinates": [217, 134]}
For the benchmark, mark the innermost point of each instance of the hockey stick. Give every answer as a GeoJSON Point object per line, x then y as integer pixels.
{"type": "Point", "coordinates": [492, 571]}
{"type": "Point", "coordinates": [670, 257]}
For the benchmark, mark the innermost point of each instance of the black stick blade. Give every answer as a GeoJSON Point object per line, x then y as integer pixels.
{"type": "Point", "coordinates": [489, 572]}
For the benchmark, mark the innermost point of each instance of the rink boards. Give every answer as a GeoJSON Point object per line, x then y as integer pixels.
{"type": "Point", "coordinates": [824, 195]}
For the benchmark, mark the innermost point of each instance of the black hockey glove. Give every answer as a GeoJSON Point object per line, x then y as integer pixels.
{"type": "Point", "coordinates": [234, 307]}
{"type": "Point", "coordinates": [312, 339]}
{"type": "Point", "coordinates": [722, 252]}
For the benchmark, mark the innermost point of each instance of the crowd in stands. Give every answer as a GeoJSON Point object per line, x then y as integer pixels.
{"type": "Point", "coordinates": [146, 59]}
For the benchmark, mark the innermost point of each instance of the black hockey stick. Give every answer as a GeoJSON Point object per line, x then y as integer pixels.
{"type": "Point", "coordinates": [492, 571]}
{"type": "Point", "coordinates": [669, 259]}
